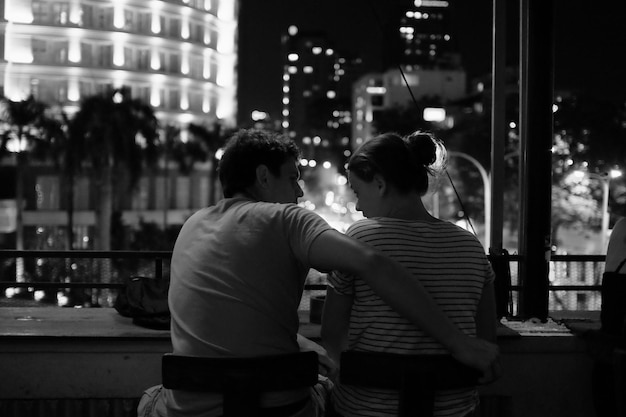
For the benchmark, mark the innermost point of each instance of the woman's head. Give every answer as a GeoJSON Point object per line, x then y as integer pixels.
{"type": "Point", "coordinates": [403, 162]}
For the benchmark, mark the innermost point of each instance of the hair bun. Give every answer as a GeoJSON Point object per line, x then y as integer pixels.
{"type": "Point", "coordinates": [427, 151]}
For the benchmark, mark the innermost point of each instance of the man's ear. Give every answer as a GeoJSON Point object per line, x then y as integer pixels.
{"type": "Point", "coordinates": [262, 176]}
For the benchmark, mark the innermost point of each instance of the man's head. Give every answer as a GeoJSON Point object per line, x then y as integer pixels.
{"type": "Point", "coordinates": [260, 163]}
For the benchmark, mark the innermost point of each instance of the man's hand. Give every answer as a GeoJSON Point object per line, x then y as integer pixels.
{"type": "Point", "coordinates": [327, 367]}
{"type": "Point", "coordinates": [481, 355]}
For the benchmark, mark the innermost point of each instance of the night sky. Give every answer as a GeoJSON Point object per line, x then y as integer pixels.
{"type": "Point", "coordinates": [590, 42]}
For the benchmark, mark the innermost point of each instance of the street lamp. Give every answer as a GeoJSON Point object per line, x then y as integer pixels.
{"type": "Point", "coordinates": [487, 187]}
{"type": "Point", "coordinates": [605, 178]}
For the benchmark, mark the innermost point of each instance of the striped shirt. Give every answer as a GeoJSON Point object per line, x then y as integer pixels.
{"type": "Point", "coordinates": [451, 263]}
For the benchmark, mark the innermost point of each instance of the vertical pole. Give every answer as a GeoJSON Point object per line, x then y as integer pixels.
{"type": "Point", "coordinates": [19, 220]}
{"type": "Point", "coordinates": [605, 212]}
{"type": "Point", "coordinates": [498, 125]}
{"type": "Point", "coordinates": [536, 130]}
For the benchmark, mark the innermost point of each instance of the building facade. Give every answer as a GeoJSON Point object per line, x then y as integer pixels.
{"type": "Point", "coordinates": [317, 81]}
{"type": "Point", "coordinates": [180, 55]}
{"type": "Point", "coordinates": [374, 93]}
{"type": "Point", "coordinates": [420, 34]}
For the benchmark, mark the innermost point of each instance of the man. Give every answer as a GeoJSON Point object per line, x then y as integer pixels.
{"type": "Point", "coordinates": [238, 271]}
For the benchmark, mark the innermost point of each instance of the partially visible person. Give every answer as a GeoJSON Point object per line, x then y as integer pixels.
{"type": "Point", "coordinates": [616, 251]}
{"type": "Point", "coordinates": [613, 324]}
{"type": "Point", "coordinates": [389, 175]}
{"type": "Point", "coordinates": [238, 271]}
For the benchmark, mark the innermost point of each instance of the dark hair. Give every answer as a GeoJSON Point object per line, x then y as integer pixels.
{"type": "Point", "coordinates": [403, 162]}
{"type": "Point", "coordinates": [245, 151]}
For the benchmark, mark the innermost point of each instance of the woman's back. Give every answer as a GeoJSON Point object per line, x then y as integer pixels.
{"type": "Point", "coordinates": [451, 263]}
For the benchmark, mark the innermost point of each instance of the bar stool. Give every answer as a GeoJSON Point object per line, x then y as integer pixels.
{"type": "Point", "coordinates": [240, 380]}
{"type": "Point", "coordinates": [416, 377]}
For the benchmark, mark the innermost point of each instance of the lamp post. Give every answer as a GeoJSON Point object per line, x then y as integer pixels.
{"type": "Point", "coordinates": [605, 179]}
{"type": "Point", "coordinates": [487, 187]}
{"type": "Point", "coordinates": [17, 146]}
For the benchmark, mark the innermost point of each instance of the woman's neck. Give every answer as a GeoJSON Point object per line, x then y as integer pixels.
{"type": "Point", "coordinates": [409, 207]}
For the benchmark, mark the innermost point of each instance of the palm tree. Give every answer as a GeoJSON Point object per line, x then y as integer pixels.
{"type": "Point", "coordinates": [23, 133]}
{"type": "Point", "coordinates": [205, 142]}
{"type": "Point", "coordinates": [114, 136]}
{"type": "Point", "coordinates": [185, 147]}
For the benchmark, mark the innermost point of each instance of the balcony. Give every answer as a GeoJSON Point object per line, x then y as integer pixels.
{"type": "Point", "coordinates": [94, 362]}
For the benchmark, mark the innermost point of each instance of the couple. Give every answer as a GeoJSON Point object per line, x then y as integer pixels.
{"type": "Point", "coordinates": [238, 271]}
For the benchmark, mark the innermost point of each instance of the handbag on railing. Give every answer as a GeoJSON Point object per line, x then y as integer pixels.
{"type": "Point", "coordinates": [613, 309]}
{"type": "Point", "coordinates": [144, 299]}
{"type": "Point", "coordinates": [501, 265]}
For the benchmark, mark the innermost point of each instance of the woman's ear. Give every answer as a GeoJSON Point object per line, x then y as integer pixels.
{"type": "Point", "coordinates": [381, 184]}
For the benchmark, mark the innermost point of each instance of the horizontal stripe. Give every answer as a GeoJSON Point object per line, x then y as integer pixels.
{"type": "Point", "coordinates": [451, 264]}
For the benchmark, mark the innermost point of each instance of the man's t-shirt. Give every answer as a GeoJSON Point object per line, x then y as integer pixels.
{"type": "Point", "coordinates": [237, 276]}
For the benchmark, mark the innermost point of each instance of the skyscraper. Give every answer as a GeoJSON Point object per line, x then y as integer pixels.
{"type": "Point", "coordinates": [317, 82]}
{"type": "Point", "coordinates": [179, 56]}
{"type": "Point", "coordinates": [419, 34]}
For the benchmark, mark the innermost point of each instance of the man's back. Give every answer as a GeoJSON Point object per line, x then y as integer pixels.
{"type": "Point", "coordinates": [238, 271]}
{"type": "Point", "coordinates": [237, 278]}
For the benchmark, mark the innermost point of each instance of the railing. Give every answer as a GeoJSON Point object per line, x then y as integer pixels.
{"type": "Point", "coordinates": [81, 277]}
{"type": "Point", "coordinates": [575, 280]}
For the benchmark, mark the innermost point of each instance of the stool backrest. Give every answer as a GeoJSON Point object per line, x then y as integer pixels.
{"type": "Point", "coordinates": [416, 377]}
{"type": "Point", "coordinates": [240, 380]}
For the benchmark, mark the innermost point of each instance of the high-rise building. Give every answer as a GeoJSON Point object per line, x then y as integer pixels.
{"type": "Point", "coordinates": [375, 93]}
{"type": "Point", "coordinates": [317, 80]}
{"type": "Point", "coordinates": [178, 55]}
{"type": "Point", "coordinates": [419, 55]}
{"type": "Point", "coordinates": [419, 34]}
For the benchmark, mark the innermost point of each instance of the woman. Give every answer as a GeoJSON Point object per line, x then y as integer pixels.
{"type": "Point", "coordinates": [389, 175]}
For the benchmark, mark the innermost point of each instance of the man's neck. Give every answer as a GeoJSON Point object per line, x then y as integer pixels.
{"type": "Point", "coordinates": [248, 194]}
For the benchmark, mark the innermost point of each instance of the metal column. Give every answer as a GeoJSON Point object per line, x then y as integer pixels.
{"type": "Point", "coordinates": [536, 130]}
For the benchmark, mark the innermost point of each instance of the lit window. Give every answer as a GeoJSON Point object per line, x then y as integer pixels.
{"type": "Point", "coordinates": [118, 54]}
{"type": "Point", "coordinates": [184, 99]}
{"type": "Point", "coordinates": [434, 114]}
{"type": "Point", "coordinates": [155, 26]}
{"type": "Point", "coordinates": [119, 20]}
{"type": "Point", "coordinates": [206, 103]}
{"type": "Point", "coordinates": [184, 29]}
{"type": "Point", "coordinates": [308, 69]}
{"type": "Point", "coordinates": [292, 57]}
{"type": "Point", "coordinates": [316, 50]}
{"type": "Point", "coordinates": [293, 70]}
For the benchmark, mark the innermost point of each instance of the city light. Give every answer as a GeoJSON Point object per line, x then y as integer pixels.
{"type": "Point", "coordinates": [434, 114]}
{"type": "Point", "coordinates": [259, 115]}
